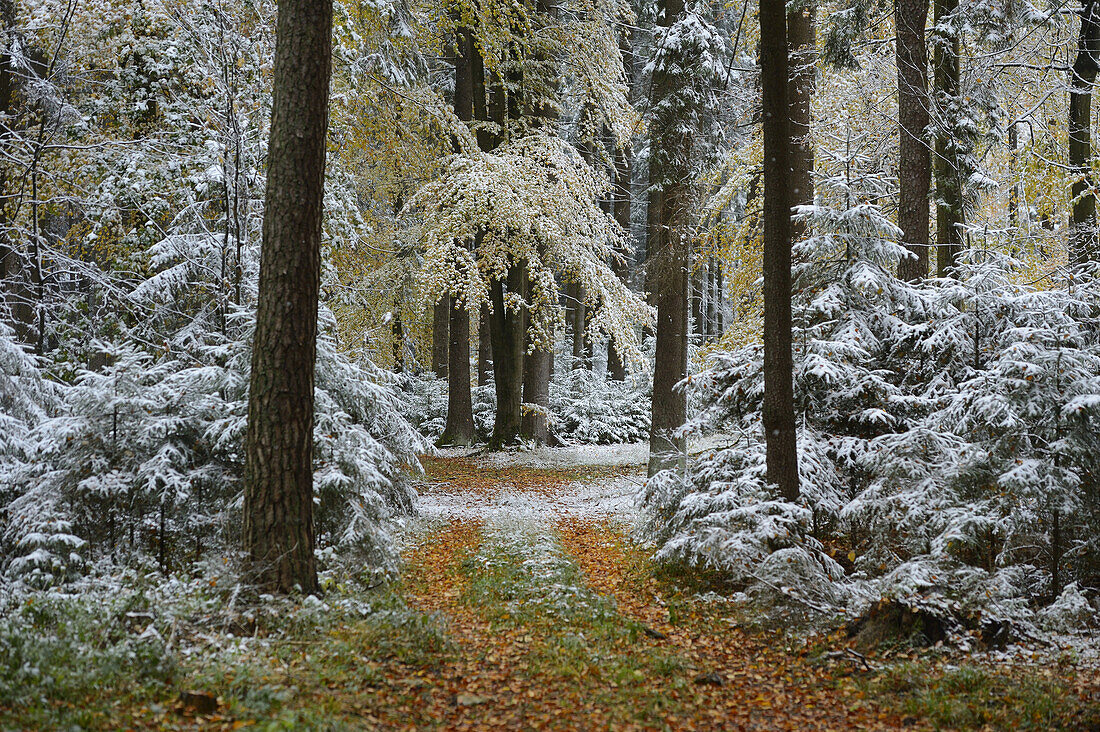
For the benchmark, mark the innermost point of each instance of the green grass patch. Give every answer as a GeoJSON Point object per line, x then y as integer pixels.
{"type": "Point", "coordinates": [578, 638]}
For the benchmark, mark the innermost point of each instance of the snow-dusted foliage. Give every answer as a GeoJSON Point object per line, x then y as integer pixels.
{"type": "Point", "coordinates": [125, 443]}
{"type": "Point", "coordinates": [947, 435]}
{"type": "Point", "coordinates": [589, 409]}
{"type": "Point", "coordinates": [533, 201]}
{"type": "Point", "coordinates": [585, 407]}
{"type": "Point", "coordinates": [995, 486]}
{"type": "Point", "coordinates": [36, 537]}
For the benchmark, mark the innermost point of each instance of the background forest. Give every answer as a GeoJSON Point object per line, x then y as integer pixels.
{"type": "Point", "coordinates": [546, 223]}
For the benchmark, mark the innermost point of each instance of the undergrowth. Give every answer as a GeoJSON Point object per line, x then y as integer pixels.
{"type": "Point", "coordinates": [118, 656]}
{"type": "Point", "coordinates": [970, 696]}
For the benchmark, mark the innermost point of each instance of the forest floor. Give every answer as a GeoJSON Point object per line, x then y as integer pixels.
{"type": "Point", "coordinates": [525, 604]}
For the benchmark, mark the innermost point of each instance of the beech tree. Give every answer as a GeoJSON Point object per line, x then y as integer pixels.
{"type": "Point", "coordinates": [459, 429]}
{"type": "Point", "coordinates": [278, 494]}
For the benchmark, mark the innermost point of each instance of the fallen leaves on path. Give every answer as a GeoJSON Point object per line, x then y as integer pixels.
{"type": "Point", "coordinates": [517, 610]}
{"type": "Point", "coordinates": [746, 682]}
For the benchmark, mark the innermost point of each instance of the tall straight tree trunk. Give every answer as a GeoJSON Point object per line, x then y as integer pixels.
{"type": "Point", "coordinates": [459, 429]}
{"type": "Point", "coordinates": [536, 395]}
{"type": "Point", "coordinates": [802, 70]}
{"type": "Point", "coordinates": [507, 333]}
{"type": "Point", "coordinates": [949, 203]}
{"type": "Point", "coordinates": [669, 260]}
{"type": "Point", "coordinates": [914, 157]}
{"type": "Point", "coordinates": [534, 424]}
{"type": "Point", "coordinates": [1083, 238]}
{"type": "Point", "coordinates": [441, 316]}
{"type": "Point", "coordinates": [624, 174]}
{"type": "Point", "coordinates": [278, 484]}
{"type": "Point", "coordinates": [9, 257]}
{"type": "Point", "coordinates": [460, 408]}
{"type": "Point", "coordinates": [14, 292]}
{"type": "Point", "coordinates": [779, 424]}
{"type": "Point", "coordinates": [536, 389]}
{"type": "Point", "coordinates": [506, 326]}
{"type": "Point", "coordinates": [616, 369]}
{"type": "Point", "coordinates": [486, 142]}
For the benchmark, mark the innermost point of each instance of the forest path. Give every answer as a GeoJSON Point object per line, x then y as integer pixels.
{"type": "Point", "coordinates": [558, 620]}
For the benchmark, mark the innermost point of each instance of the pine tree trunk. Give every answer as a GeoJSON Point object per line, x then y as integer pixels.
{"type": "Point", "coordinates": [441, 316]}
{"type": "Point", "coordinates": [802, 70]}
{"type": "Point", "coordinates": [949, 191]}
{"type": "Point", "coordinates": [1083, 237]}
{"type": "Point", "coordinates": [278, 486]}
{"type": "Point", "coordinates": [779, 423]}
{"type": "Point", "coordinates": [669, 260]}
{"type": "Point", "coordinates": [914, 157]}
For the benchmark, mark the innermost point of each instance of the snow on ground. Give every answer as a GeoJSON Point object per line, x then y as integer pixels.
{"type": "Point", "coordinates": [570, 456]}
{"type": "Point", "coordinates": [612, 498]}
{"type": "Point", "coordinates": [605, 499]}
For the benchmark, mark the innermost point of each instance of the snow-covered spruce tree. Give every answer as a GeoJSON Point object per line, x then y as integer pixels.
{"type": "Point", "coordinates": [142, 457]}
{"type": "Point", "coordinates": [688, 57]}
{"type": "Point", "coordinates": [588, 409]}
{"type": "Point", "coordinates": [848, 314]}
{"type": "Point", "coordinates": [991, 499]}
{"type": "Point", "coordinates": [36, 540]}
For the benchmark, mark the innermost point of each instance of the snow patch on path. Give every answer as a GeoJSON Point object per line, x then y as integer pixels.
{"type": "Point", "coordinates": [601, 500]}
{"type": "Point", "coordinates": [571, 456]}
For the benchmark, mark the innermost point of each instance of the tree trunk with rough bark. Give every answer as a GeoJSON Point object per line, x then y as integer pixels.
{"type": "Point", "coordinates": [669, 260]}
{"type": "Point", "coordinates": [914, 156]}
{"type": "Point", "coordinates": [779, 423]}
{"type": "Point", "coordinates": [802, 71]}
{"type": "Point", "coordinates": [1083, 237]}
{"type": "Point", "coordinates": [278, 485]}
{"type": "Point", "coordinates": [949, 190]}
